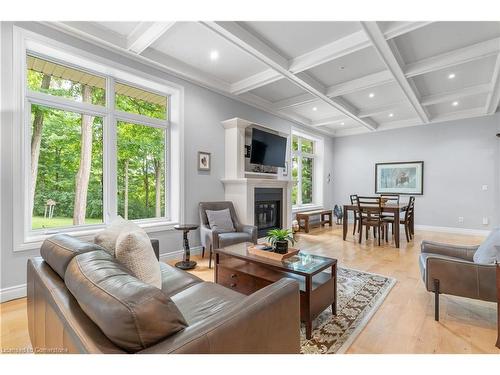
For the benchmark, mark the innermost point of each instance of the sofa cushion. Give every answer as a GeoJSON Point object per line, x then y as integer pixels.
{"type": "Point", "coordinates": [132, 314]}
{"type": "Point", "coordinates": [174, 280]}
{"type": "Point", "coordinates": [220, 220]}
{"type": "Point", "coordinates": [58, 250]}
{"type": "Point", "coordinates": [107, 237]}
{"type": "Point", "coordinates": [203, 300]}
{"type": "Point", "coordinates": [134, 251]}
{"type": "Point", "coordinates": [227, 239]}
{"type": "Point", "coordinates": [489, 251]}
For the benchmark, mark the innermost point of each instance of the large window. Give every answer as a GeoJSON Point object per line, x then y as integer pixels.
{"type": "Point", "coordinates": [87, 129]}
{"type": "Point", "coordinates": [303, 164]}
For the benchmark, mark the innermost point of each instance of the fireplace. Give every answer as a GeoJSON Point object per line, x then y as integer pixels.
{"type": "Point", "coordinates": [268, 209]}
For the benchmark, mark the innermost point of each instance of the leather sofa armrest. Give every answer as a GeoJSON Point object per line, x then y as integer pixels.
{"type": "Point", "coordinates": [267, 321]}
{"type": "Point", "coordinates": [456, 251]}
{"type": "Point", "coordinates": [156, 247]}
{"type": "Point", "coordinates": [461, 278]}
{"type": "Point", "coordinates": [250, 229]}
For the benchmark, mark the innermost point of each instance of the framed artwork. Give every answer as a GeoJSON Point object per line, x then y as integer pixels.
{"type": "Point", "coordinates": [400, 178]}
{"type": "Point", "coordinates": [204, 160]}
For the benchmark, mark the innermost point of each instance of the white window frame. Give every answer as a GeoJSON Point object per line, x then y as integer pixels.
{"type": "Point", "coordinates": [316, 156]}
{"type": "Point", "coordinates": [28, 42]}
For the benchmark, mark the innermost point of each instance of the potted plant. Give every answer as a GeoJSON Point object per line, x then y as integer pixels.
{"type": "Point", "coordinates": [279, 238]}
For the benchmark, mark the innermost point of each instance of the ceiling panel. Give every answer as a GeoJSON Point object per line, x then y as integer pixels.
{"type": "Point", "coordinates": [394, 115]}
{"type": "Point", "coordinates": [293, 39]}
{"type": "Point", "coordinates": [341, 125]}
{"type": "Point", "coordinates": [348, 67]}
{"type": "Point", "coordinates": [463, 104]}
{"type": "Point", "coordinates": [323, 110]}
{"type": "Point", "coordinates": [382, 95]}
{"type": "Point", "coordinates": [469, 74]}
{"type": "Point", "coordinates": [192, 43]}
{"type": "Point", "coordinates": [279, 90]}
{"type": "Point", "coordinates": [441, 37]}
{"type": "Point", "coordinates": [121, 28]}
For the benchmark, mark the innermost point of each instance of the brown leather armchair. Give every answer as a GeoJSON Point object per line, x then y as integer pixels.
{"type": "Point", "coordinates": [212, 239]}
{"type": "Point", "coordinates": [450, 269]}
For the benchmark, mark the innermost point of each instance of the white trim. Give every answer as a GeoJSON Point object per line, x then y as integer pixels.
{"type": "Point", "coordinates": [455, 94]}
{"type": "Point", "coordinates": [146, 34]}
{"type": "Point", "coordinates": [466, 231]}
{"type": "Point", "coordinates": [12, 292]}
{"type": "Point", "coordinates": [494, 97]}
{"type": "Point", "coordinates": [403, 27]}
{"type": "Point", "coordinates": [456, 57]}
{"type": "Point", "coordinates": [390, 59]}
{"type": "Point", "coordinates": [23, 41]}
{"type": "Point", "coordinates": [361, 83]}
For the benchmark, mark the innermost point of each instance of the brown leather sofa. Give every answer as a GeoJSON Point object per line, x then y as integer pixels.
{"type": "Point", "coordinates": [450, 269]}
{"type": "Point", "coordinates": [214, 319]}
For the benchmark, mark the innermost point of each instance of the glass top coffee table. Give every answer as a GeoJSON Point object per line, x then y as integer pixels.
{"type": "Point", "coordinates": [246, 273]}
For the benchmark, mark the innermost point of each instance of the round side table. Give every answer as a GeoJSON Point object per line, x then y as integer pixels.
{"type": "Point", "coordinates": [186, 263]}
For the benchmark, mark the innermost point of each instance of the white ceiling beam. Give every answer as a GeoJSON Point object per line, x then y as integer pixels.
{"type": "Point", "coordinates": [383, 109]}
{"type": "Point", "coordinates": [456, 57]}
{"type": "Point", "coordinates": [455, 94]}
{"type": "Point", "coordinates": [145, 34]}
{"type": "Point", "coordinates": [328, 121]}
{"type": "Point", "coordinates": [358, 84]}
{"type": "Point", "coordinates": [343, 88]}
{"type": "Point", "coordinates": [494, 98]}
{"type": "Point", "coordinates": [94, 31]}
{"type": "Point", "coordinates": [255, 81]}
{"type": "Point", "coordinates": [338, 48]}
{"type": "Point", "coordinates": [403, 27]}
{"type": "Point", "coordinates": [246, 41]}
{"type": "Point", "coordinates": [294, 101]}
{"type": "Point", "coordinates": [390, 60]}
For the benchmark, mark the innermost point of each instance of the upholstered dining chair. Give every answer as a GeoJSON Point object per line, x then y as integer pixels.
{"type": "Point", "coordinates": [212, 239]}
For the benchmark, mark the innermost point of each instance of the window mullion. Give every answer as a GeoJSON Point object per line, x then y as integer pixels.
{"type": "Point", "coordinates": [110, 155]}
{"type": "Point", "coordinates": [299, 172]}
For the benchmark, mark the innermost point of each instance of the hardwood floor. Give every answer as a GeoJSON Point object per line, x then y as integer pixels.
{"type": "Point", "coordinates": [403, 324]}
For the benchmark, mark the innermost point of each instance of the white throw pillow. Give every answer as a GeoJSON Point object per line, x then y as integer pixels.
{"type": "Point", "coordinates": [107, 237]}
{"type": "Point", "coordinates": [489, 251]}
{"type": "Point", "coordinates": [134, 251]}
{"type": "Point", "coordinates": [220, 220]}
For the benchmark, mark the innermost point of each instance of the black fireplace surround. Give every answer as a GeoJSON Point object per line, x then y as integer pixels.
{"type": "Point", "coordinates": [268, 209]}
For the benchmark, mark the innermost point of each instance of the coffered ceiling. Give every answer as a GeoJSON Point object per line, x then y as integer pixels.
{"type": "Point", "coordinates": [338, 77]}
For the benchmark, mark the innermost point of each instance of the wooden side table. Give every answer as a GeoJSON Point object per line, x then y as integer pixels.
{"type": "Point", "coordinates": [186, 263]}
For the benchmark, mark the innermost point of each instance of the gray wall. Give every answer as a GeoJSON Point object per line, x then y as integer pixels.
{"type": "Point", "coordinates": [459, 157]}
{"type": "Point", "coordinates": [203, 112]}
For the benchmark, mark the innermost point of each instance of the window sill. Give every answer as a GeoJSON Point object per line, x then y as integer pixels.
{"type": "Point", "coordinates": [34, 241]}
{"type": "Point", "coordinates": [306, 207]}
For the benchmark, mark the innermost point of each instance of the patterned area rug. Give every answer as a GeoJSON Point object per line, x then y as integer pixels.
{"type": "Point", "coordinates": [359, 294]}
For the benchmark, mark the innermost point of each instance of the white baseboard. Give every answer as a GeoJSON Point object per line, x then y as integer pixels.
{"type": "Point", "coordinates": [12, 292]}
{"type": "Point", "coordinates": [471, 232]}
{"type": "Point", "coordinates": [173, 255]}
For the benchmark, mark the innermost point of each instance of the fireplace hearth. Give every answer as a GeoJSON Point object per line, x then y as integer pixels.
{"type": "Point", "coordinates": [268, 209]}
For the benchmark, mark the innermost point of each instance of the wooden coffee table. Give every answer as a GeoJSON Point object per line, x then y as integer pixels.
{"type": "Point", "coordinates": [235, 268]}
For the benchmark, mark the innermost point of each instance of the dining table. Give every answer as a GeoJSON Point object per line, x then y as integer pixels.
{"type": "Point", "coordinates": [393, 208]}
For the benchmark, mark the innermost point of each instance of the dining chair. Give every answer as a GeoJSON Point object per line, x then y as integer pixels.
{"type": "Point", "coordinates": [354, 201]}
{"type": "Point", "coordinates": [370, 216]}
{"type": "Point", "coordinates": [406, 221]}
{"type": "Point", "coordinates": [391, 199]}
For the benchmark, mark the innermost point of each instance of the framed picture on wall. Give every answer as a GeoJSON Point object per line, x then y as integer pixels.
{"type": "Point", "coordinates": [204, 161]}
{"type": "Point", "coordinates": [399, 178]}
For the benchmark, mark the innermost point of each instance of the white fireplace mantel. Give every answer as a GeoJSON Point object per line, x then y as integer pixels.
{"type": "Point", "coordinates": [240, 185]}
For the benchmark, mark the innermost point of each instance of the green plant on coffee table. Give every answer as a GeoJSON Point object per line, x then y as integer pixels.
{"type": "Point", "coordinates": [275, 235]}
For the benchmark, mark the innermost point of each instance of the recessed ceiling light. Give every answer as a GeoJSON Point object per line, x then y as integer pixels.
{"type": "Point", "coordinates": [451, 75]}
{"type": "Point", "coordinates": [371, 95]}
{"type": "Point", "coordinates": [214, 55]}
{"type": "Point", "coordinates": [315, 108]}
{"type": "Point", "coordinates": [391, 114]}
{"type": "Point", "coordinates": [454, 104]}
{"type": "Point", "coordinates": [342, 123]}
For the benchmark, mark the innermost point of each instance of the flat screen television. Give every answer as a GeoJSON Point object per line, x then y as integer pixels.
{"type": "Point", "coordinates": [268, 149]}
